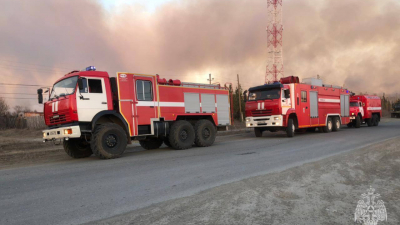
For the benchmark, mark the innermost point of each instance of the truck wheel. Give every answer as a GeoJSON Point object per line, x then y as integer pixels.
{"type": "Point", "coordinates": [181, 135]}
{"type": "Point", "coordinates": [370, 122]}
{"type": "Point", "coordinates": [357, 123]}
{"type": "Point", "coordinates": [258, 132]}
{"type": "Point", "coordinates": [152, 143]}
{"type": "Point", "coordinates": [329, 126]}
{"type": "Point", "coordinates": [336, 124]}
{"type": "Point", "coordinates": [290, 128]}
{"type": "Point", "coordinates": [376, 120]}
{"type": "Point", "coordinates": [109, 141]}
{"type": "Point", "coordinates": [205, 133]}
{"type": "Point", "coordinates": [77, 148]}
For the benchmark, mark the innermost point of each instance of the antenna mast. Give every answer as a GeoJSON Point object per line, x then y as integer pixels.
{"type": "Point", "coordinates": [274, 43]}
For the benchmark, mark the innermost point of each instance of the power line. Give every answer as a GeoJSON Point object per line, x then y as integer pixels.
{"type": "Point", "coordinates": [17, 98]}
{"type": "Point", "coordinates": [16, 94]}
{"type": "Point", "coordinates": [26, 85]}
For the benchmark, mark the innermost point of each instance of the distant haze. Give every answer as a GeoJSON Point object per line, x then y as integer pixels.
{"type": "Point", "coordinates": [353, 43]}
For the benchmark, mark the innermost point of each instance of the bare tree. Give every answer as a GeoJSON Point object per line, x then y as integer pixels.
{"type": "Point", "coordinates": [19, 108]}
{"type": "Point", "coordinates": [3, 107]}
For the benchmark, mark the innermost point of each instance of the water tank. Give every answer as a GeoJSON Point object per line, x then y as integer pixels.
{"type": "Point", "coordinates": [313, 81]}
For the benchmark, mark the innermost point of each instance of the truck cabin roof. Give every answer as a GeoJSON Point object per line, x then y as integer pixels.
{"type": "Point", "coordinates": [266, 86]}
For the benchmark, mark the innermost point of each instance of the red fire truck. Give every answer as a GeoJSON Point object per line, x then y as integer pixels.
{"type": "Point", "coordinates": [365, 108]}
{"type": "Point", "coordinates": [96, 114]}
{"type": "Point", "coordinates": [289, 105]}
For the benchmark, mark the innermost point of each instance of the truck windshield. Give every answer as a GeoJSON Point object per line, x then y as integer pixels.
{"type": "Point", "coordinates": [265, 94]}
{"type": "Point", "coordinates": [353, 103]}
{"type": "Point", "coordinates": [64, 87]}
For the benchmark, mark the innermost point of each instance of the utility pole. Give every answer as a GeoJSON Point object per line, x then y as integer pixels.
{"type": "Point", "coordinates": [210, 79]}
{"type": "Point", "coordinates": [240, 99]}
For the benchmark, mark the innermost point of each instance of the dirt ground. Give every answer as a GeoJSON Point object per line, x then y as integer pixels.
{"type": "Point", "coordinates": [322, 192]}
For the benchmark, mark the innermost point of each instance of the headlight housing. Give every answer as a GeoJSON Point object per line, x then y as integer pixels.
{"type": "Point", "coordinates": [247, 119]}
{"type": "Point", "coordinates": [276, 118]}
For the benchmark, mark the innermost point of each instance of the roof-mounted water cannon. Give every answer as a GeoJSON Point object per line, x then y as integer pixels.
{"type": "Point", "coordinates": [90, 68]}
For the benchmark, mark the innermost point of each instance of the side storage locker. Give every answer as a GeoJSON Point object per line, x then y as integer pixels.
{"type": "Point", "coordinates": [223, 109]}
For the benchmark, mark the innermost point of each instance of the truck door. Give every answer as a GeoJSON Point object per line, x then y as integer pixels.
{"type": "Point", "coordinates": [91, 99]}
{"type": "Point", "coordinates": [145, 104]}
{"type": "Point", "coordinates": [304, 115]}
{"type": "Point", "coordinates": [314, 117]}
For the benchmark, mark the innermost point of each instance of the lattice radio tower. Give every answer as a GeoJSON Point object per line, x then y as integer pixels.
{"type": "Point", "coordinates": [274, 44]}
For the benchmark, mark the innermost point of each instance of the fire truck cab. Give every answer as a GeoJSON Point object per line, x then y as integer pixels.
{"type": "Point", "coordinates": [96, 114]}
{"type": "Point", "coordinates": [289, 105]}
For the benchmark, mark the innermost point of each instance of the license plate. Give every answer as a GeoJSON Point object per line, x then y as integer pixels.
{"type": "Point", "coordinates": [52, 133]}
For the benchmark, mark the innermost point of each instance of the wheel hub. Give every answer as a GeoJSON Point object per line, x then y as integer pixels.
{"type": "Point", "coordinates": [111, 140]}
{"type": "Point", "coordinates": [329, 125]}
{"type": "Point", "coordinates": [206, 133]}
{"type": "Point", "coordinates": [183, 135]}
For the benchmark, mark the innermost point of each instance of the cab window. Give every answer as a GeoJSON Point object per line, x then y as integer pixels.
{"type": "Point", "coordinates": [144, 90]}
{"type": "Point", "coordinates": [95, 86]}
{"type": "Point", "coordinates": [303, 96]}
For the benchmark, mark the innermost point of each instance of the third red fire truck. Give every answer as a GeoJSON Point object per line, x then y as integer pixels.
{"type": "Point", "coordinates": [289, 105]}
{"type": "Point", "coordinates": [365, 108]}
{"type": "Point", "coordinates": [94, 113]}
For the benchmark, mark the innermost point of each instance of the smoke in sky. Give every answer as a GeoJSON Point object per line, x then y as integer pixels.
{"type": "Point", "coordinates": [353, 43]}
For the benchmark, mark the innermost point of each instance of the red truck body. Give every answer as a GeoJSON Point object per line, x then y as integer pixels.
{"type": "Point", "coordinates": [365, 108]}
{"type": "Point", "coordinates": [307, 105]}
{"type": "Point", "coordinates": [85, 104]}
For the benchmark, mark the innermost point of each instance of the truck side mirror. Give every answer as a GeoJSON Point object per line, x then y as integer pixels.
{"type": "Point", "coordinates": [287, 93]}
{"type": "Point", "coordinates": [80, 83]}
{"type": "Point", "coordinates": [40, 96]}
{"type": "Point", "coordinates": [245, 95]}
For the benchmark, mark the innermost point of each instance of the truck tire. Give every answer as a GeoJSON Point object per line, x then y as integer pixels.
{"type": "Point", "coordinates": [152, 143]}
{"type": "Point", "coordinates": [77, 148]}
{"type": "Point", "coordinates": [376, 120]}
{"type": "Point", "coordinates": [329, 126]}
{"type": "Point", "coordinates": [336, 124]}
{"type": "Point", "coordinates": [290, 128]}
{"type": "Point", "coordinates": [370, 122]}
{"type": "Point", "coordinates": [205, 133]}
{"type": "Point", "coordinates": [258, 132]}
{"type": "Point", "coordinates": [108, 141]}
{"type": "Point", "coordinates": [181, 135]}
{"type": "Point", "coordinates": [357, 123]}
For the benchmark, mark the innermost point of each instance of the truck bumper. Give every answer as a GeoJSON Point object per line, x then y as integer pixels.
{"type": "Point", "coordinates": [61, 133]}
{"type": "Point", "coordinates": [265, 121]}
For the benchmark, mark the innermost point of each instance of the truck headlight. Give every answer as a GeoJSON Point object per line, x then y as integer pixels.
{"type": "Point", "coordinates": [276, 118]}
{"type": "Point", "coordinates": [68, 131]}
{"type": "Point", "coordinates": [44, 134]}
{"type": "Point", "coordinates": [247, 119]}
{"type": "Point", "coordinates": [248, 124]}
{"type": "Point", "coordinates": [352, 114]}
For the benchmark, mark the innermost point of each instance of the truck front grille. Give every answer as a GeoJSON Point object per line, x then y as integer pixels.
{"type": "Point", "coordinates": [57, 118]}
{"type": "Point", "coordinates": [265, 112]}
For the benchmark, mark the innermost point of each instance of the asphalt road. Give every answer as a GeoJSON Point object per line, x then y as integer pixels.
{"type": "Point", "coordinates": [79, 191]}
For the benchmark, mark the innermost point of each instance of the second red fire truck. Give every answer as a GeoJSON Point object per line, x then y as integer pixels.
{"type": "Point", "coordinates": [289, 105]}
{"type": "Point", "coordinates": [94, 113]}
